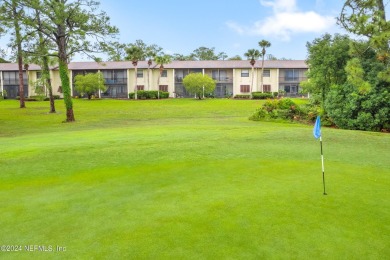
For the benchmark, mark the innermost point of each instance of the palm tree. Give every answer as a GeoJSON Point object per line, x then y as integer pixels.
{"type": "Point", "coordinates": [263, 44]}
{"type": "Point", "coordinates": [134, 53]}
{"type": "Point", "coordinates": [161, 60]}
{"type": "Point", "coordinates": [252, 55]}
{"type": "Point", "coordinates": [151, 52]}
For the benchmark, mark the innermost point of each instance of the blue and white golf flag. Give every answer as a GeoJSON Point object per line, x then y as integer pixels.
{"type": "Point", "coordinates": [317, 134]}
{"type": "Point", "coordinates": [317, 128]}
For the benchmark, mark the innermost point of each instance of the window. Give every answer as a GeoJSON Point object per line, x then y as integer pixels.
{"type": "Point", "coordinates": [115, 76]}
{"type": "Point", "coordinates": [12, 78]}
{"type": "Point", "coordinates": [266, 73]}
{"type": "Point", "coordinates": [164, 74]}
{"type": "Point", "coordinates": [266, 88]}
{"type": "Point", "coordinates": [140, 87]}
{"type": "Point", "coordinates": [39, 75]}
{"type": "Point", "coordinates": [214, 74]}
{"type": "Point", "coordinates": [222, 75]}
{"type": "Point", "coordinates": [245, 73]}
{"type": "Point", "coordinates": [291, 75]}
{"type": "Point", "coordinates": [163, 88]}
{"type": "Point", "coordinates": [59, 90]}
{"type": "Point", "coordinates": [140, 73]}
{"type": "Point", "coordinates": [245, 88]}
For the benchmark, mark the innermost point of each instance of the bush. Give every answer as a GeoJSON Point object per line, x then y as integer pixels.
{"type": "Point", "coordinates": [32, 98]}
{"type": "Point", "coordinates": [242, 96]}
{"type": "Point", "coordinates": [261, 95]}
{"type": "Point", "coordinates": [284, 109]}
{"type": "Point", "coordinates": [149, 94]}
{"type": "Point", "coordinates": [38, 97]}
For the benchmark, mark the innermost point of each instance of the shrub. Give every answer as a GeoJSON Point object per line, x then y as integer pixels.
{"type": "Point", "coordinates": [149, 94]}
{"type": "Point", "coordinates": [259, 114]}
{"type": "Point", "coordinates": [261, 95]}
{"type": "Point", "coordinates": [273, 109]}
{"type": "Point", "coordinates": [164, 94]}
{"type": "Point", "coordinates": [242, 96]}
{"type": "Point", "coordinates": [38, 97]}
{"type": "Point", "coordinates": [32, 98]}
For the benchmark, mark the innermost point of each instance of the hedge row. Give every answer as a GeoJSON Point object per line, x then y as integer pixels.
{"type": "Point", "coordinates": [38, 98]}
{"type": "Point", "coordinates": [149, 94]}
{"type": "Point", "coordinates": [264, 95]}
{"type": "Point", "coordinates": [258, 95]}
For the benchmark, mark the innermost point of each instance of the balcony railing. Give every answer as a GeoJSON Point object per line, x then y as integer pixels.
{"type": "Point", "coordinates": [12, 82]}
{"type": "Point", "coordinates": [223, 79]}
{"type": "Point", "coordinates": [116, 81]}
{"type": "Point", "coordinates": [291, 79]}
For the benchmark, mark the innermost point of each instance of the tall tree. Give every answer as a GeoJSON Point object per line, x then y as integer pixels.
{"type": "Point", "coordinates": [37, 51]}
{"type": "Point", "coordinates": [151, 52]}
{"type": "Point", "coordinates": [237, 57]}
{"type": "Point", "coordinates": [116, 51]}
{"type": "Point", "coordinates": [252, 55]}
{"type": "Point", "coordinates": [135, 54]}
{"type": "Point", "coordinates": [327, 58]}
{"type": "Point", "coordinates": [263, 44]}
{"type": "Point", "coordinates": [222, 56]}
{"type": "Point", "coordinates": [70, 25]}
{"type": "Point", "coordinates": [181, 57]}
{"type": "Point", "coordinates": [368, 18]}
{"type": "Point", "coordinates": [204, 53]}
{"type": "Point", "coordinates": [11, 13]}
{"type": "Point", "coordinates": [161, 60]}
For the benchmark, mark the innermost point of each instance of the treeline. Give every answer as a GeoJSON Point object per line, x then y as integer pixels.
{"type": "Point", "coordinates": [348, 79]}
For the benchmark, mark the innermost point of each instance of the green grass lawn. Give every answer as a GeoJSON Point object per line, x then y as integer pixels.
{"type": "Point", "coordinates": [187, 179]}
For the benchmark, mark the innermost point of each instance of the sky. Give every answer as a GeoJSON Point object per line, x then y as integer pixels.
{"type": "Point", "coordinates": [230, 26]}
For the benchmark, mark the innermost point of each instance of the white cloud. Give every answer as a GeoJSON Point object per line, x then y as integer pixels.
{"type": "Point", "coordinates": [285, 21]}
{"type": "Point", "coordinates": [236, 27]}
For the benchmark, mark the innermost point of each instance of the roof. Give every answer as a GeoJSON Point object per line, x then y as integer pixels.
{"type": "Point", "coordinates": [209, 64]}
{"type": "Point", "coordinates": [14, 67]}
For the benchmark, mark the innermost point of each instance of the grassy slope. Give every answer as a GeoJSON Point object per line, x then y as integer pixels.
{"type": "Point", "coordinates": [188, 179]}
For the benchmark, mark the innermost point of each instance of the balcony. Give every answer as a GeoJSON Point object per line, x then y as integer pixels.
{"type": "Point", "coordinates": [116, 81]}
{"type": "Point", "coordinates": [291, 79]}
{"type": "Point", "coordinates": [223, 79]}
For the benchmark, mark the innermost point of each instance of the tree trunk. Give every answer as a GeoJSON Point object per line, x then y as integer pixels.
{"type": "Point", "coordinates": [251, 90]}
{"type": "Point", "coordinates": [19, 54]}
{"type": "Point", "coordinates": [66, 90]}
{"type": "Point", "coordinates": [46, 73]}
{"type": "Point", "coordinates": [45, 65]}
{"type": "Point", "coordinates": [261, 76]}
{"type": "Point", "coordinates": [63, 66]}
{"type": "Point", "coordinates": [158, 81]}
{"type": "Point", "coordinates": [149, 64]}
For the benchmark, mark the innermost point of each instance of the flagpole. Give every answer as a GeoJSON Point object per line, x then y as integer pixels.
{"type": "Point", "coordinates": [323, 169]}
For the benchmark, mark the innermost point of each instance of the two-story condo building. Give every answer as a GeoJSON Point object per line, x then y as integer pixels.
{"type": "Point", "coordinates": [232, 77]}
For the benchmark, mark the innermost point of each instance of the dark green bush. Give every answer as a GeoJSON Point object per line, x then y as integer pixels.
{"type": "Point", "coordinates": [149, 94]}
{"type": "Point", "coordinates": [284, 109]}
{"type": "Point", "coordinates": [261, 95]}
{"type": "Point", "coordinates": [242, 96]}
{"type": "Point", "coordinates": [28, 98]}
